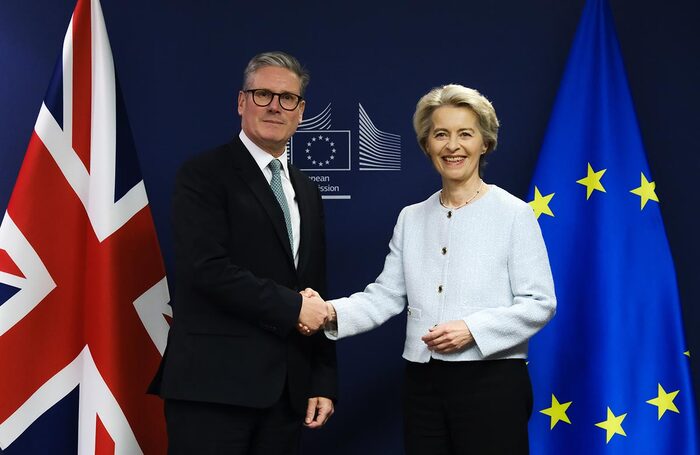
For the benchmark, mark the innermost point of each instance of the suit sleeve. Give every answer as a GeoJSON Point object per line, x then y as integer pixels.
{"type": "Point", "coordinates": [201, 231]}
{"type": "Point", "coordinates": [324, 369]}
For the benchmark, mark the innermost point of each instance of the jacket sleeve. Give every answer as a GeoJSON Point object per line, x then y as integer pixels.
{"type": "Point", "coordinates": [386, 297]}
{"type": "Point", "coordinates": [324, 368]}
{"type": "Point", "coordinates": [534, 303]}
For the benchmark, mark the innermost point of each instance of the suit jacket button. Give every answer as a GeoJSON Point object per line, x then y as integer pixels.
{"type": "Point", "coordinates": [440, 289]}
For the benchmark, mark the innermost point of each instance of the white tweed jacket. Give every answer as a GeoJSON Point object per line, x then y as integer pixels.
{"type": "Point", "coordinates": [485, 263]}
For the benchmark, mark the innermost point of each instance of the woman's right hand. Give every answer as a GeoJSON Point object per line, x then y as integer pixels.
{"type": "Point", "coordinates": [448, 337]}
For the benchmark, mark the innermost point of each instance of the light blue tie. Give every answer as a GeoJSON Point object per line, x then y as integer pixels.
{"type": "Point", "coordinates": [276, 185]}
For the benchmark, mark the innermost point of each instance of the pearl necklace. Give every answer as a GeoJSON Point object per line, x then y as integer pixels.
{"type": "Point", "coordinates": [478, 190]}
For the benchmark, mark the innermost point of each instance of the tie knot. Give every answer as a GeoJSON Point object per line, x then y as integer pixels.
{"type": "Point", "coordinates": [275, 165]}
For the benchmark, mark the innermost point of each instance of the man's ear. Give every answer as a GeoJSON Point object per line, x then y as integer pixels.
{"type": "Point", "coordinates": [241, 102]}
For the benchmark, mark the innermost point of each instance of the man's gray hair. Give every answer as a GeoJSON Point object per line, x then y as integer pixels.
{"type": "Point", "coordinates": [279, 59]}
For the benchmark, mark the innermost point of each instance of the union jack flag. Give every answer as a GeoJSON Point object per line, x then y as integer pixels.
{"type": "Point", "coordinates": [83, 293]}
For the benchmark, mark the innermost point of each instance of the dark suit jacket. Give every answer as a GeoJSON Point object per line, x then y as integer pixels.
{"type": "Point", "coordinates": [236, 302]}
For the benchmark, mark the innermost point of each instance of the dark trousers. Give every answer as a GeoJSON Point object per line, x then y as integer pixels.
{"type": "Point", "coordinates": [210, 428]}
{"type": "Point", "coordinates": [459, 408]}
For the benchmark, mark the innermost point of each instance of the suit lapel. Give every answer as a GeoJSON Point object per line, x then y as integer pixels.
{"type": "Point", "coordinates": [250, 173]}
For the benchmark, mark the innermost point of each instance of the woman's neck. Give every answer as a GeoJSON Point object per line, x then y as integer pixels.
{"type": "Point", "coordinates": [456, 195]}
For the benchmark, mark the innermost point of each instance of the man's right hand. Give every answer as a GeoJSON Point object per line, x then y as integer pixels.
{"type": "Point", "coordinates": [313, 314]}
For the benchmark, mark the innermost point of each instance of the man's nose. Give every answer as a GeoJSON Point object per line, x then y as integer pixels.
{"type": "Point", "coordinates": [275, 103]}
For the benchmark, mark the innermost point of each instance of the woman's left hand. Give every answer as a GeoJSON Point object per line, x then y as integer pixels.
{"type": "Point", "coordinates": [448, 337]}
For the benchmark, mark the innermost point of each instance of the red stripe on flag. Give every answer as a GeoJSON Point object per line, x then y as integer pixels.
{"type": "Point", "coordinates": [82, 81]}
{"type": "Point", "coordinates": [7, 265]}
{"type": "Point", "coordinates": [104, 444]}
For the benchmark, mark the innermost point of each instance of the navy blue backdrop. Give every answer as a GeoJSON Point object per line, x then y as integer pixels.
{"type": "Point", "coordinates": [180, 64]}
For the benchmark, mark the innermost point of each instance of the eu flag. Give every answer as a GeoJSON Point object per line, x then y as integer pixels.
{"type": "Point", "coordinates": [611, 371]}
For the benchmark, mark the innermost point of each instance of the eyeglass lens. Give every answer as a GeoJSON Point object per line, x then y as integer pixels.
{"type": "Point", "coordinates": [288, 101]}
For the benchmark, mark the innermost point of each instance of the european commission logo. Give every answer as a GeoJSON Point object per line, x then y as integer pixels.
{"type": "Point", "coordinates": [317, 147]}
{"type": "Point", "coordinates": [321, 150]}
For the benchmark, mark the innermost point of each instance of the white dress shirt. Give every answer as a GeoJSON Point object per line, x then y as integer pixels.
{"type": "Point", "coordinates": [263, 159]}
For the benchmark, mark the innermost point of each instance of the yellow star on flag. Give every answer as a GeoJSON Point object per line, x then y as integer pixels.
{"type": "Point", "coordinates": [557, 412]}
{"type": "Point", "coordinates": [646, 191]}
{"type": "Point", "coordinates": [664, 401]}
{"type": "Point", "coordinates": [612, 425]}
{"type": "Point", "coordinates": [541, 203]}
{"type": "Point", "coordinates": [687, 353]}
{"type": "Point", "coordinates": [592, 181]}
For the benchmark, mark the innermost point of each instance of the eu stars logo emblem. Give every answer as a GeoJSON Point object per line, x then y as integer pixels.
{"type": "Point", "coordinates": [321, 150]}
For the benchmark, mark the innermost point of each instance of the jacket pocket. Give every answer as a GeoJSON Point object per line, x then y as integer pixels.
{"type": "Point", "coordinates": [414, 313]}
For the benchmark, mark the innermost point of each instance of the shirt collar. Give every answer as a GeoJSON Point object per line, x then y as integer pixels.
{"type": "Point", "coordinates": [261, 157]}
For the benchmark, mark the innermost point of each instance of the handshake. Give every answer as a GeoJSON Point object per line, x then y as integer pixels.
{"type": "Point", "coordinates": [315, 313]}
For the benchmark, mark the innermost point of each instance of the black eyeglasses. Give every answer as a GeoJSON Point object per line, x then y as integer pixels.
{"type": "Point", "coordinates": [263, 97]}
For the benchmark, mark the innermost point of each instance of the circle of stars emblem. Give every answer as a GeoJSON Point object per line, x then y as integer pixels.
{"type": "Point", "coordinates": [320, 151]}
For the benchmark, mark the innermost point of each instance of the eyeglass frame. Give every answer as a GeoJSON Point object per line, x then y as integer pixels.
{"type": "Point", "coordinates": [253, 90]}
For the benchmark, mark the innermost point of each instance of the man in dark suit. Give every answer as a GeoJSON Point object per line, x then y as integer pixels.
{"type": "Point", "coordinates": [244, 366]}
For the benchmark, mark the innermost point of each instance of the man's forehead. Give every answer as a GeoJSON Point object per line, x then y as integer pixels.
{"type": "Point", "coordinates": [275, 75]}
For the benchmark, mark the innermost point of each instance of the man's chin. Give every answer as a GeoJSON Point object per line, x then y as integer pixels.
{"type": "Point", "coordinates": [274, 135]}
{"type": "Point", "coordinates": [274, 146]}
